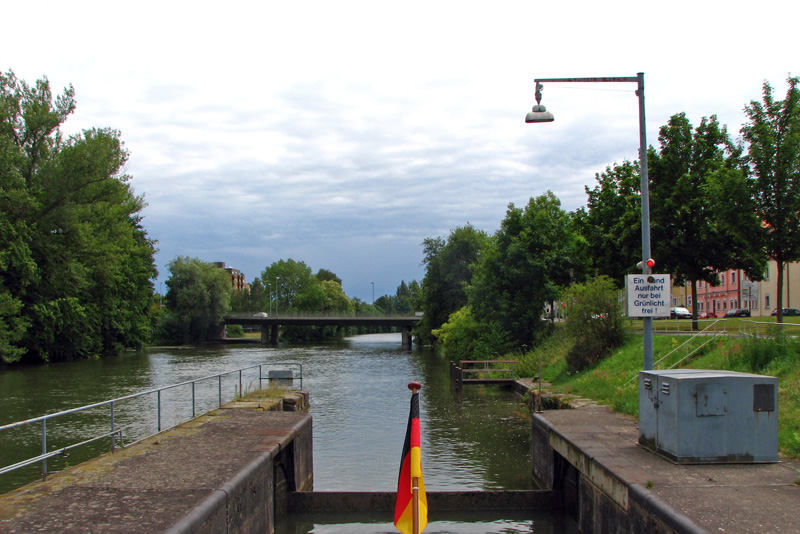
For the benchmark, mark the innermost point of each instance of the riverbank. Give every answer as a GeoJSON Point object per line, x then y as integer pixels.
{"type": "Point", "coordinates": [614, 381]}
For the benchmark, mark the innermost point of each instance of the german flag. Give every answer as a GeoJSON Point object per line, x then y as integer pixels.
{"type": "Point", "coordinates": [410, 486]}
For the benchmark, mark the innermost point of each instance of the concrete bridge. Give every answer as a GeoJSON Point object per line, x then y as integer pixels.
{"type": "Point", "coordinates": [270, 326]}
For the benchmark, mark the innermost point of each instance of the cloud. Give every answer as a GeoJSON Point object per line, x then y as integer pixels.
{"type": "Point", "coordinates": [343, 134]}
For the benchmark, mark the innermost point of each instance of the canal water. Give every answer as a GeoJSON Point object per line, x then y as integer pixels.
{"type": "Point", "coordinates": [476, 440]}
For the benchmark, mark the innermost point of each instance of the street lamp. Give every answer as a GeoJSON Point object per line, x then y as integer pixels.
{"type": "Point", "coordinates": [373, 298]}
{"type": "Point", "coordinates": [277, 294]}
{"type": "Point", "coordinates": [540, 114]}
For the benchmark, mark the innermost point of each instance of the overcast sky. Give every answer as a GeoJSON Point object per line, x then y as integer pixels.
{"type": "Point", "coordinates": [344, 133]}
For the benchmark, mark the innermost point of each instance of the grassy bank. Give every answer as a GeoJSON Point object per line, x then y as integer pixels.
{"type": "Point", "coordinates": [613, 381]}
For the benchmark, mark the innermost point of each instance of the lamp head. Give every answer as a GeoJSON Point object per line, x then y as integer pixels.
{"type": "Point", "coordinates": [539, 113]}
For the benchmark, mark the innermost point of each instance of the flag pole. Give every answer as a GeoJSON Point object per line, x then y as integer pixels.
{"type": "Point", "coordinates": [414, 387]}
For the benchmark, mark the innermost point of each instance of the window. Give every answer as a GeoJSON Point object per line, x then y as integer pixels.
{"type": "Point", "coordinates": [733, 278]}
{"type": "Point", "coordinates": [689, 302]}
{"type": "Point", "coordinates": [766, 302]}
{"type": "Point", "coordinates": [766, 273]}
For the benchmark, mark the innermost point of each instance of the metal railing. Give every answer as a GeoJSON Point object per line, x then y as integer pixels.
{"type": "Point", "coordinates": [751, 328]}
{"type": "Point", "coordinates": [705, 336]}
{"type": "Point", "coordinates": [116, 433]}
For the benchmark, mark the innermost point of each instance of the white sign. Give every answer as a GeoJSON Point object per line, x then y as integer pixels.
{"type": "Point", "coordinates": [648, 295]}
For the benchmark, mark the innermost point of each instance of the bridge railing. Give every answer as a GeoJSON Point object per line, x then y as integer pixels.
{"type": "Point", "coordinates": [312, 315]}
{"type": "Point", "coordinates": [195, 394]}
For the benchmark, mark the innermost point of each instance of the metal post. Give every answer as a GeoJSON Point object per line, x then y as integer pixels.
{"type": "Point", "coordinates": [194, 407]}
{"type": "Point", "coordinates": [648, 321]}
{"type": "Point", "coordinates": [113, 436]}
{"type": "Point", "coordinates": [241, 393]}
{"type": "Point", "coordinates": [159, 410]}
{"type": "Point", "coordinates": [44, 449]}
{"type": "Point", "coordinates": [220, 389]}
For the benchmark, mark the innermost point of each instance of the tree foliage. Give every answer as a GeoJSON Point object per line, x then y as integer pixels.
{"type": "Point", "coordinates": [772, 133]}
{"type": "Point", "coordinates": [449, 265]}
{"type": "Point", "coordinates": [611, 222]}
{"type": "Point", "coordinates": [75, 261]}
{"type": "Point", "coordinates": [464, 337]}
{"type": "Point", "coordinates": [198, 297]}
{"type": "Point", "coordinates": [702, 210]}
{"type": "Point", "coordinates": [535, 253]}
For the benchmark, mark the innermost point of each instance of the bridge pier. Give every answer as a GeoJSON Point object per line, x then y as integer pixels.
{"type": "Point", "coordinates": [270, 334]}
{"type": "Point", "coordinates": [274, 334]}
{"type": "Point", "coordinates": [406, 333]}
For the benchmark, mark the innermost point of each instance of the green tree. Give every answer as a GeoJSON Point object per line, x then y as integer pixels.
{"type": "Point", "coordinates": [76, 264]}
{"type": "Point", "coordinates": [324, 275]}
{"type": "Point", "coordinates": [289, 279]}
{"type": "Point", "coordinates": [611, 222]}
{"type": "Point", "coordinates": [772, 133]}
{"type": "Point", "coordinates": [535, 253]}
{"type": "Point", "coordinates": [702, 211]}
{"type": "Point", "coordinates": [448, 270]}
{"type": "Point", "coordinates": [198, 297]}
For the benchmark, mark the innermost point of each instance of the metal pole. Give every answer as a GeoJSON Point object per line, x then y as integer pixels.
{"type": "Point", "coordinates": [415, 505]}
{"type": "Point", "coordinates": [159, 410]}
{"type": "Point", "coordinates": [44, 449]}
{"type": "Point", "coordinates": [648, 321]}
{"type": "Point", "coordinates": [113, 436]}
{"type": "Point", "coordinates": [194, 407]}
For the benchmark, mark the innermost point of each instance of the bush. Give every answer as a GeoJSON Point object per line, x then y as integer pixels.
{"type": "Point", "coordinates": [594, 320]}
{"type": "Point", "coordinates": [758, 353]}
{"type": "Point", "coordinates": [463, 337]}
{"type": "Point", "coordinates": [234, 330]}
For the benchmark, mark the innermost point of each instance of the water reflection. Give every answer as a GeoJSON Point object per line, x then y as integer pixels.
{"type": "Point", "coordinates": [464, 522]}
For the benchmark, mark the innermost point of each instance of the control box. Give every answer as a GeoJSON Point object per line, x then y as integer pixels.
{"type": "Point", "coordinates": [705, 416]}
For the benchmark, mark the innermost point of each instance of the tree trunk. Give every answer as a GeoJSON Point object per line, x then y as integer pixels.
{"type": "Point", "coordinates": [780, 291]}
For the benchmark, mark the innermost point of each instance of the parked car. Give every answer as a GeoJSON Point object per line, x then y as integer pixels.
{"type": "Point", "coordinates": [679, 313]}
{"type": "Point", "coordinates": [260, 314]}
{"type": "Point", "coordinates": [786, 312]}
{"type": "Point", "coordinates": [706, 315]}
{"type": "Point", "coordinates": [738, 312]}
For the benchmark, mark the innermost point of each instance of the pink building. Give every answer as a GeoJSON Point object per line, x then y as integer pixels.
{"type": "Point", "coordinates": [714, 300]}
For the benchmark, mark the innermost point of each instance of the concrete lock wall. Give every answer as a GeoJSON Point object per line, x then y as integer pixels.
{"type": "Point", "coordinates": [251, 500]}
{"type": "Point", "coordinates": [592, 494]}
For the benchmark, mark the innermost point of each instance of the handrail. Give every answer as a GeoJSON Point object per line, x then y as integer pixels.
{"type": "Point", "coordinates": [114, 432]}
{"type": "Point", "coordinates": [704, 332]}
{"type": "Point", "coordinates": [755, 325]}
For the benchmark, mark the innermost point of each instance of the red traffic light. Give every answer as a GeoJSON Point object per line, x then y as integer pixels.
{"type": "Point", "coordinates": [649, 264]}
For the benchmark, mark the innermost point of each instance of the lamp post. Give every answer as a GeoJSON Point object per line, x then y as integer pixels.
{"type": "Point", "coordinates": [373, 298]}
{"type": "Point", "coordinates": [540, 114]}
{"type": "Point", "coordinates": [269, 293]}
{"type": "Point", "coordinates": [277, 293]}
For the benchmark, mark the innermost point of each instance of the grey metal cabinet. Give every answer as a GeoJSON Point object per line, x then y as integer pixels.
{"type": "Point", "coordinates": [699, 416]}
